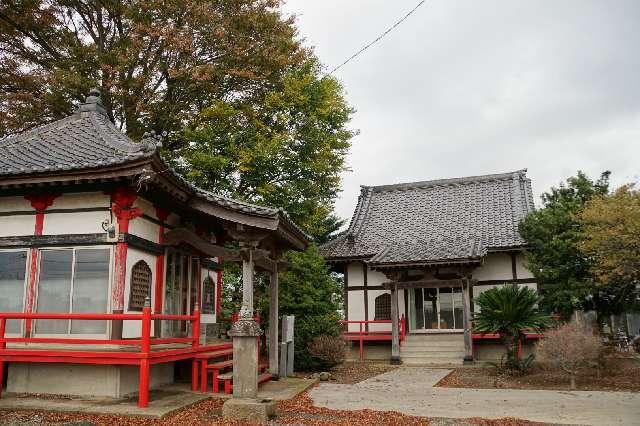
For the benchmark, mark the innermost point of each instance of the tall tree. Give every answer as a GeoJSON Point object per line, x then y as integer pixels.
{"type": "Point", "coordinates": [245, 106]}
{"type": "Point", "coordinates": [611, 237]}
{"type": "Point", "coordinates": [553, 234]}
{"type": "Point", "coordinates": [286, 150]}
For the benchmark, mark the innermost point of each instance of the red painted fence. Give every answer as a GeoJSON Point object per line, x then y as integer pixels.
{"type": "Point", "coordinates": [363, 334]}
{"type": "Point", "coordinates": [144, 358]}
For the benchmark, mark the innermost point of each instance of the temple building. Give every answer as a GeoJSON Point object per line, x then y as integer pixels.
{"type": "Point", "coordinates": [110, 260]}
{"type": "Point", "coordinates": [416, 255]}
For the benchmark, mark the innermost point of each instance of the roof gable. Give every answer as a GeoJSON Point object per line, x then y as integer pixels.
{"type": "Point", "coordinates": [439, 221]}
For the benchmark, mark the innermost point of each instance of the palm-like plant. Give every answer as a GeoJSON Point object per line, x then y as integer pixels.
{"type": "Point", "coordinates": [509, 311]}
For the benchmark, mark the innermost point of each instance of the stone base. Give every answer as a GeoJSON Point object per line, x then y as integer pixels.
{"type": "Point", "coordinates": [249, 409]}
{"type": "Point", "coordinates": [395, 360]}
{"type": "Point", "coordinates": [114, 381]}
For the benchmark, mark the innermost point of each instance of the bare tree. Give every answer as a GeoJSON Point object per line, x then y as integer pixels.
{"type": "Point", "coordinates": [570, 348]}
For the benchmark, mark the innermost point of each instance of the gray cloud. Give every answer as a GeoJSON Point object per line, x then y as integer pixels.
{"type": "Point", "coordinates": [464, 88]}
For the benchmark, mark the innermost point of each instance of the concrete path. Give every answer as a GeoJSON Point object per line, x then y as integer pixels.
{"type": "Point", "coordinates": [410, 390]}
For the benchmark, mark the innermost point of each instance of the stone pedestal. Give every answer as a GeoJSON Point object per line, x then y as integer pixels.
{"type": "Point", "coordinates": [249, 409]}
{"type": "Point", "coordinates": [244, 405]}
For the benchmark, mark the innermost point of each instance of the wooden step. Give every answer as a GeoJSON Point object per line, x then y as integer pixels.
{"type": "Point", "coordinates": [214, 354]}
{"type": "Point", "coordinates": [228, 380]}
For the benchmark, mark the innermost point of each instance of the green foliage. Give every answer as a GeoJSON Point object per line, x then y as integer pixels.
{"type": "Point", "coordinates": [245, 107]}
{"type": "Point", "coordinates": [285, 150]}
{"type": "Point", "coordinates": [509, 310]}
{"type": "Point", "coordinates": [308, 291]}
{"type": "Point", "coordinates": [611, 232]}
{"type": "Point", "coordinates": [553, 234]}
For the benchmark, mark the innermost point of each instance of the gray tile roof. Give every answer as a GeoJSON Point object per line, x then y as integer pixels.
{"type": "Point", "coordinates": [88, 140]}
{"type": "Point", "coordinates": [85, 140]}
{"type": "Point", "coordinates": [439, 221]}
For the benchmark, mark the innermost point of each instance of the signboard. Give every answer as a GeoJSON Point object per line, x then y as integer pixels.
{"type": "Point", "coordinates": [288, 329]}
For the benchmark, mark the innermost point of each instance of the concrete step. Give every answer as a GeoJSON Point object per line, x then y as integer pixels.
{"type": "Point", "coordinates": [431, 351]}
{"type": "Point", "coordinates": [434, 362]}
{"type": "Point", "coordinates": [431, 344]}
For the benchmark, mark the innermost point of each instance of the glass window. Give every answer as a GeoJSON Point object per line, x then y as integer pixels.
{"type": "Point", "coordinates": [458, 308]}
{"type": "Point", "coordinates": [209, 295]}
{"type": "Point", "coordinates": [73, 280]}
{"type": "Point", "coordinates": [54, 288]}
{"type": "Point", "coordinates": [13, 266]}
{"type": "Point", "coordinates": [446, 308]}
{"type": "Point", "coordinates": [90, 289]}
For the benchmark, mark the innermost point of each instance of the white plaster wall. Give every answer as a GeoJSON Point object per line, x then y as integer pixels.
{"type": "Point", "coordinates": [13, 204]}
{"type": "Point", "coordinates": [77, 222]}
{"type": "Point", "coordinates": [17, 225]}
{"type": "Point", "coordinates": [74, 223]}
{"type": "Point", "coordinates": [131, 328]}
{"type": "Point", "coordinates": [144, 228]}
{"type": "Point", "coordinates": [81, 200]}
{"type": "Point", "coordinates": [356, 276]}
{"type": "Point", "coordinates": [146, 207]}
{"type": "Point", "coordinates": [496, 266]}
{"type": "Point", "coordinates": [521, 267]}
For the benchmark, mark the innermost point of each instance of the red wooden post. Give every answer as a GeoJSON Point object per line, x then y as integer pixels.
{"type": "Point", "coordinates": [39, 203]}
{"type": "Point", "coordinates": [195, 342]}
{"type": "Point", "coordinates": [519, 347]}
{"type": "Point", "coordinates": [122, 200]}
{"type": "Point", "coordinates": [145, 346]}
{"type": "Point", "coordinates": [3, 345]}
{"type": "Point", "coordinates": [361, 343]}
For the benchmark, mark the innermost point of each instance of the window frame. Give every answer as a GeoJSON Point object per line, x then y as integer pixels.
{"type": "Point", "coordinates": [25, 284]}
{"type": "Point", "coordinates": [69, 334]}
{"type": "Point", "coordinates": [375, 307]}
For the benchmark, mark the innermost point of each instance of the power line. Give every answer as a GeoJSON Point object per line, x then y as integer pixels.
{"type": "Point", "coordinates": [380, 37]}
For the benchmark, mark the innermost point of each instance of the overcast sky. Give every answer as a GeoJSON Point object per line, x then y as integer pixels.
{"type": "Point", "coordinates": [466, 87]}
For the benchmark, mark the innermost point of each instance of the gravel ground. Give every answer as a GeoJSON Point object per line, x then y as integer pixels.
{"type": "Point", "coordinates": [620, 375]}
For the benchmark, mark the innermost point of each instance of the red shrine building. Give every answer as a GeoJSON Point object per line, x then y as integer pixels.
{"type": "Point", "coordinates": [110, 261]}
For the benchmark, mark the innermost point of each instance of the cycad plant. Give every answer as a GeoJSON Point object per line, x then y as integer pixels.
{"type": "Point", "coordinates": [509, 311]}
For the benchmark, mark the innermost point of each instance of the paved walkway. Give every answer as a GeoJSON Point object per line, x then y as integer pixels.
{"type": "Point", "coordinates": [410, 390]}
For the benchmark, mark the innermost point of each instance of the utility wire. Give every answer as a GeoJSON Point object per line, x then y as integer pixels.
{"type": "Point", "coordinates": [380, 37]}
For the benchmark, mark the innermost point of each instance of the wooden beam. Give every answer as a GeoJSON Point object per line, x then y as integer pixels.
{"type": "Point", "coordinates": [54, 240]}
{"type": "Point", "coordinates": [423, 283]}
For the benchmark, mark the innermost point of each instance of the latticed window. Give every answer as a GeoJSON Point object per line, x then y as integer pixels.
{"type": "Point", "coordinates": [140, 285]}
{"type": "Point", "coordinates": [383, 307]}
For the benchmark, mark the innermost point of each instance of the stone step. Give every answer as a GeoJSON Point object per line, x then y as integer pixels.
{"type": "Point", "coordinates": [434, 362]}
{"type": "Point", "coordinates": [431, 351]}
{"type": "Point", "coordinates": [435, 343]}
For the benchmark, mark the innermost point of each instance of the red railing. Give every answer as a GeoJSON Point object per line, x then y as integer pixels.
{"type": "Point", "coordinates": [144, 358]}
{"type": "Point", "coordinates": [364, 334]}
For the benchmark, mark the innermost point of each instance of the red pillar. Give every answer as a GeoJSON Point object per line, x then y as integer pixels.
{"type": "Point", "coordinates": [40, 203]}
{"type": "Point", "coordinates": [162, 215]}
{"type": "Point", "coordinates": [122, 200]}
{"type": "Point", "coordinates": [143, 385]}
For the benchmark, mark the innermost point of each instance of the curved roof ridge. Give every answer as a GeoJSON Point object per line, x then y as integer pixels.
{"type": "Point", "coordinates": [449, 181]}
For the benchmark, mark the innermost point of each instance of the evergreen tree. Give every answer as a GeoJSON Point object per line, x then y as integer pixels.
{"type": "Point", "coordinates": [553, 234]}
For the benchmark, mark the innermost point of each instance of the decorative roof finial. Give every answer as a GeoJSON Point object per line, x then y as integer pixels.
{"type": "Point", "coordinates": [93, 102]}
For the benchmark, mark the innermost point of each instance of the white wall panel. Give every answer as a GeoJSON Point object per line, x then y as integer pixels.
{"type": "Point", "coordinates": [496, 266]}
{"type": "Point", "coordinates": [17, 225]}
{"type": "Point", "coordinates": [144, 228]}
{"type": "Point", "coordinates": [14, 204]}
{"type": "Point", "coordinates": [74, 223]}
{"type": "Point", "coordinates": [521, 267]}
{"type": "Point", "coordinates": [356, 276]}
{"type": "Point", "coordinates": [81, 200]}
